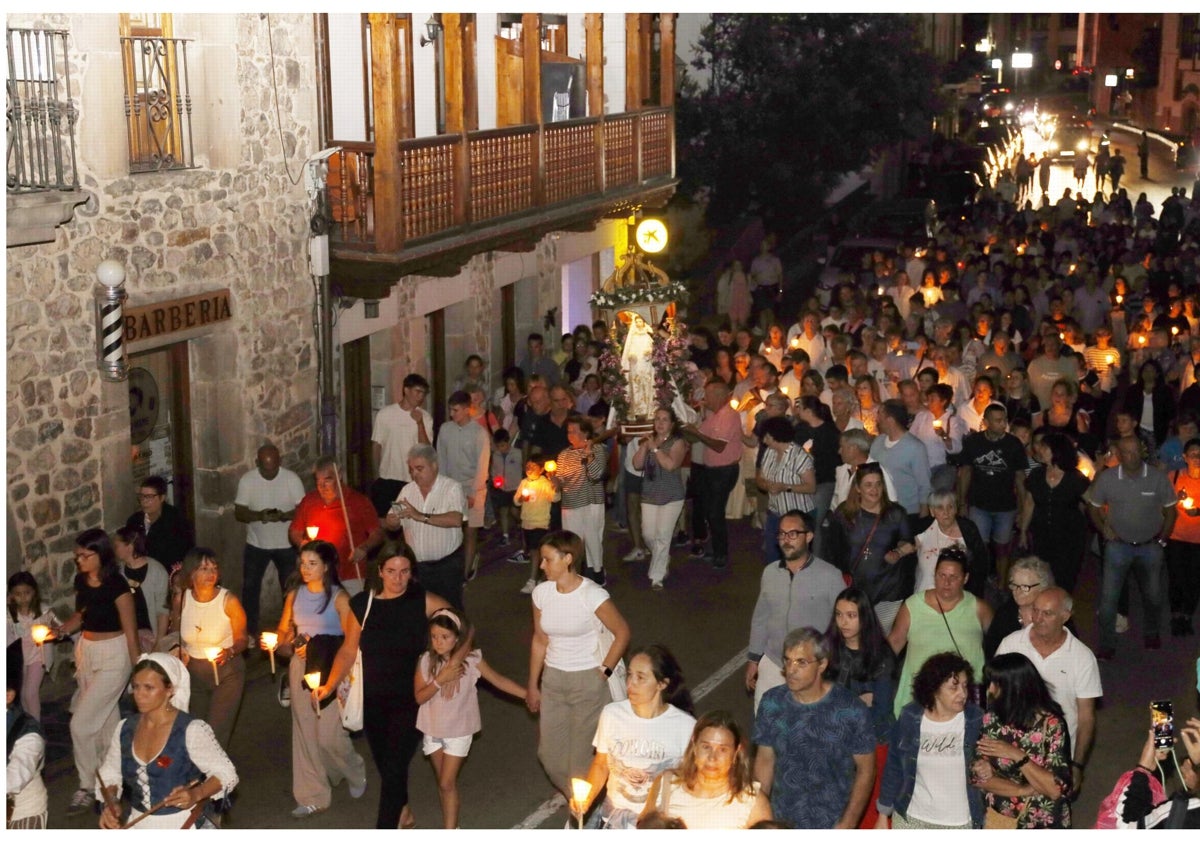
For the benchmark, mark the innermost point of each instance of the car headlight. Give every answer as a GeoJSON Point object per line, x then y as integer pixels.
{"type": "Point", "coordinates": [1082, 145]}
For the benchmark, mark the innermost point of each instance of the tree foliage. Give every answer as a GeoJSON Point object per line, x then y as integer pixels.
{"type": "Point", "coordinates": [793, 101]}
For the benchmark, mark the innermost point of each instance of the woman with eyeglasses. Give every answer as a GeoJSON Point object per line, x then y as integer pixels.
{"type": "Point", "coordinates": [1051, 521]}
{"type": "Point", "coordinates": [946, 617]}
{"type": "Point", "coordinates": [106, 651]}
{"type": "Point", "coordinates": [1027, 577]}
{"type": "Point", "coordinates": [868, 538]}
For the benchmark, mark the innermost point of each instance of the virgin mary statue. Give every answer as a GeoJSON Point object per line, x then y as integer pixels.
{"type": "Point", "coordinates": [639, 371]}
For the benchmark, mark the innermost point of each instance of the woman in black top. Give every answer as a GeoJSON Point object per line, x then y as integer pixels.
{"type": "Point", "coordinates": [1150, 383]}
{"type": "Point", "coordinates": [1052, 523]}
{"type": "Point", "coordinates": [105, 612]}
{"type": "Point", "coordinates": [390, 627]}
{"type": "Point", "coordinates": [816, 425]}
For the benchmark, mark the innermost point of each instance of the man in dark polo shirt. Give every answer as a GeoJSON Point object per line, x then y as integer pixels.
{"type": "Point", "coordinates": [168, 533]}
{"type": "Point", "coordinates": [1133, 506]}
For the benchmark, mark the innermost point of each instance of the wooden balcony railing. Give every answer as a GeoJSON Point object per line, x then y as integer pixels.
{"type": "Point", "coordinates": [451, 182]}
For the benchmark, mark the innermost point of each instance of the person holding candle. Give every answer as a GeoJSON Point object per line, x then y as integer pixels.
{"type": "Point", "coordinates": [26, 622]}
{"type": "Point", "coordinates": [388, 625]}
{"type": "Point", "coordinates": [660, 457]}
{"type": "Point", "coordinates": [1183, 545]}
{"type": "Point", "coordinates": [315, 623]}
{"type": "Point", "coordinates": [105, 612]}
{"type": "Point", "coordinates": [212, 637]}
{"type": "Point", "coordinates": [568, 665]}
{"type": "Point", "coordinates": [187, 765]}
{"type": "Point", "coordinates": [637, 739]}
{"type": "Point", "coordinates": [534, 497]}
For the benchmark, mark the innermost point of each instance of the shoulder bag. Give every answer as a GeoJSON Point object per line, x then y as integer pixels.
{"type": "Point", "coordinates": [350, 691]}
{"type": "Point", "coordinates": [604, 641]}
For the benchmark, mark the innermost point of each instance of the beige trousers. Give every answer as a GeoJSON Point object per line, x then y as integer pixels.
{"type": "Point", "coordinates": [102, 672]}
{"type": "Point", "coordinates": [322, 755]}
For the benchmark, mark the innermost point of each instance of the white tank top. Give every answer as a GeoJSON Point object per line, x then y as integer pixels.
{"type": "Point", "coordinates": [705, 812]}
{"type": "Point", "coordinates": [203, 625]}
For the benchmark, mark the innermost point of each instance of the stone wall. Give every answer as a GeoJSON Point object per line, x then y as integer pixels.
{"type": "Point", "coordinates": [241, 226]}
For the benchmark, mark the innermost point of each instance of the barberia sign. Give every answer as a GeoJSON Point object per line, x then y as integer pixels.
{"type": "Point", "coordinates": [154, 320]}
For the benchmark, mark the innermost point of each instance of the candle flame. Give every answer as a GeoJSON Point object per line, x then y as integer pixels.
{"type": "Point", "coordinates": [796, 342]}
{"type": "Point", "coordinates": [580, 789]}
{"type": "Point", "coordinates": [551, 465]}
{"type": "Point", "coordinates": [313, 679]}
{"type": "Point", "coordinates": [312, 531]}
{"type": "Point", "coordinates": [1141, 340]}
{"type": "Point", "coordinates": [1120, 298]}
{"type": "Point", "coordinates": [1189, 503]}
{"type": "Point", "coordinates": [271, 639]}
{"type": "Point", "coordinates": [39, 633]}
{"type": "Point", "coordinates": [213, 652]}
{"type": "Point", "coordinates": [1110, 359]}
{"type": "Point", "coordinates": [783, 388]}
{"type": "Point", "coordinates": [1175, 331]}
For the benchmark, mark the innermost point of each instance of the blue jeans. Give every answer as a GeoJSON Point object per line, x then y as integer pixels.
{"type": "Point", "coordinates": [994, 526]}
{"type": "Point", "coordinates": [1146, 561]}
{"type": "Point", "coordinates": [255, 562]}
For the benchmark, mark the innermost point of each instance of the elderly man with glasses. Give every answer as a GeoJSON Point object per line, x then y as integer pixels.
{"type": "Point", "coordinates": [797, 591]}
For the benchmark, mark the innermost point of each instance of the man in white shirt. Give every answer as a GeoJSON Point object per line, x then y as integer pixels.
{"type": "Point", "coordinates": [807, 337]}
{"type": "Point", "coordinates": [950, 375]}
{"type": "Point", "coordinates": [854, 447]}
{"type": "Point", "coordinates": [464, 454]}
{"type": "Point", "coordinates": [941, 430]}
{"type": "Point", "coordinates": [398, 427]}
{"type": "Point", "coordinates": [266, 501]}
{"type": "Point", "coordinates": [790, 382]}
{"type": "Point", "coordinates": [431, 509]}
{"type": "Point", "coordinates": [1066, 665]}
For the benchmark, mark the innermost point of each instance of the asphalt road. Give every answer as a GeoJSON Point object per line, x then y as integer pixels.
{"type": "Point", "coordinates": [702, 615]}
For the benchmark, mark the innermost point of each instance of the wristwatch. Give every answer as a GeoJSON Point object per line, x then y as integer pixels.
{"type": "Point", "coordinates": [425, 517]}
{"type": "Point", "coordinates": [607, 671]}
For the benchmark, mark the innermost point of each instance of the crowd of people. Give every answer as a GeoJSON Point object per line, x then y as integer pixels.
{"type": "Point", "coordinates": [929, 454]}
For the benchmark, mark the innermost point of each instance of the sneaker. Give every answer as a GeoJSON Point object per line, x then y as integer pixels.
{"type": "Point", "coordinates": [529, 587]}
{"type": "Point", "coordinates": [720, 562]}
{"type": "Point", "coordinates": [81, 801]}
{"type": "Point", "coordinates": [656, 585]}
{"type": "Point", "coordinates": [472, 570]}
{"type": "Point", "coordinates": [1122, 623]}
{"type": "Point", "coordinates": [697, 550]}
{"type": "Point", "coordinates": [518, 558]}
{"type": "Point", "coordinates": [285, 692]}
{"type": "Point", "coordinates": [358, 790]}
{"type": "Point", "coordinates": [634, 555]}
{"type": "Point", "coordinates": [307, 810]}
{"type": "Point", "coordinates": [681, 540]}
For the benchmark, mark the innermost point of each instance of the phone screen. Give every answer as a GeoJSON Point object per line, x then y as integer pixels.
{"type": "Point", "coordinates": [1163, 721]}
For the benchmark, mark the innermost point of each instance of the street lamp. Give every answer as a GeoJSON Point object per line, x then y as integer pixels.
{"type": "Point", "coordinates": [110, 321]}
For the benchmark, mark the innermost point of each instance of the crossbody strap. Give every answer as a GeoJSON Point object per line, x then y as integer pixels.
{"type": "Point", "coordinates": [370, 601]}
{"type": "Point", "coordinates": [942, 611]}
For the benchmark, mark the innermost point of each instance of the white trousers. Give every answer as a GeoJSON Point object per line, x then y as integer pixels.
{"type": "Point", "coordinates": [658, 527]}
{"type": "Point", "coordinates": [102, 672]}
{"type": "Point", "coordinates": [588, 523]}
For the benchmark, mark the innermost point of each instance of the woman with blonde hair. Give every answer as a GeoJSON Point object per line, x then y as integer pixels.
{"type": "Point", "coordinates": [712, 788]}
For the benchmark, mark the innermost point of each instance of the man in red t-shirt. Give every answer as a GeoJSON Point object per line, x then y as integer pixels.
{"type": "Point", "coordinates": [328, 511]}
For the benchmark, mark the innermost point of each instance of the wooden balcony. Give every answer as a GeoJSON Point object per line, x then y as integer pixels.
{"type": "Point", "coordinates": [462, 194]}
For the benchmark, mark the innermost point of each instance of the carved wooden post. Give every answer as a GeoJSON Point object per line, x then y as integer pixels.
{"type": "Point", "coordinates": [388, 96]}
{"type": "Point", "coordinates": [593, 25]}
{"type": "Point", "coordinates": [531, 105]}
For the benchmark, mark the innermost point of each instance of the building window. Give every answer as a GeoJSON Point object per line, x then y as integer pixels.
{"type": "Point", "coordinates": [1189, 36]}
{"type": "Point", "coordinates": [1068, 21]}
{"type": "Point", "coordinates": [158, 103]}
{"type": "Point", "coordinates": [1039, 23]}
{"type": "Point", "coordinates": [41, 114]}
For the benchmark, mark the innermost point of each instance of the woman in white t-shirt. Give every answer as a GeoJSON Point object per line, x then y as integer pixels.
{"type": "Point", "coordinates": [925, 783]}
{"type": "Point", "coordinates": [639, 738]}
{"type": "Point", "coordinates": [568, 671]}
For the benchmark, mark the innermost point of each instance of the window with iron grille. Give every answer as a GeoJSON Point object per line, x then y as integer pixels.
{"type": "Point", "coordinates": [158, 102]}
{"type": "Point", "coordinates": [40, 113]}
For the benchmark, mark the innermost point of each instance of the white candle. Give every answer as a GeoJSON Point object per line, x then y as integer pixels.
{"type": "Point", "coordinates": [580, 789]}
{"type": "Point", "coordinates": [213, 653]}
{"type": "Point", "coordinates": [311, 531]}
{"type": "Point", "coordinates": [272, 640]}
{"type": "Point", "coordinates": [313, 679]}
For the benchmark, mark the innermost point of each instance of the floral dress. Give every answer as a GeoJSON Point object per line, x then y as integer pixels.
{"type": "Point", "coordinates": [1046, 744]}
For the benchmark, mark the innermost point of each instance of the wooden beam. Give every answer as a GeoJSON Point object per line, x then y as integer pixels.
{"type": "Point", "coordinates": [470, 81]}
{"type": "Point", "coordinates": [452, 39]}
{"type": "Point", "coordinates": [593, 25]}
{"type": "Point", "coordinates": [666, 59]}
{"type": "Point", "coordinates": [531, 105]}
{"type": "Point", "coordinates": [645, 46]}
{"type": "Point", "coordinates": [387, 97]}
{"type": "Point", "coordinates": [633, 64]}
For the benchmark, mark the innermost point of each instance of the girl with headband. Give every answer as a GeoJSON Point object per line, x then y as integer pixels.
{"type": "Point", "coordinates": [449, 711]}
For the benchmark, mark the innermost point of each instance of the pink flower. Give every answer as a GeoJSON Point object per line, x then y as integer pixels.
{"type": "Point", "coordinates": [1035, 738]}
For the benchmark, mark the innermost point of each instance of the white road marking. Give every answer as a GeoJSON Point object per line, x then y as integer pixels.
{"type": "Point", "coordinates": [543, 812]}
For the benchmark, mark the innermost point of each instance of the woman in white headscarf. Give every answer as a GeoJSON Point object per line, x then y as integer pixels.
{"type": "Point", "coordinates": [171, 763]}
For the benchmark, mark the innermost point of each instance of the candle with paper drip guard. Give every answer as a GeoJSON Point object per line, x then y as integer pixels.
{"type": "Point", "coordinates": [312, 532]}
{"type": "Point", "coordinates": [551, 465]}
{"type": "Point", "coordinates": [212, 653]}
{"type": "Point", "coordinates": [313, 679]}
{"type": "Point", "coordinates": [580, 790]}
{"type": "Point", "coordinates": [272, 641]}
{"type": "Point", "coordinates": [39, 633]}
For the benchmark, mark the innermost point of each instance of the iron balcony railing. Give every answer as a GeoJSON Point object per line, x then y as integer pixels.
{"type": "Point", "coordinates": [158, 103]}
{"type": "Point", "coordinates": [40, 113]}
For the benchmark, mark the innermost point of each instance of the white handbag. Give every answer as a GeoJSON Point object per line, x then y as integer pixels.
{"type": "Point", "coordinates": [604, 641]}
{"type": "Point", "coordinates": [350, 691]}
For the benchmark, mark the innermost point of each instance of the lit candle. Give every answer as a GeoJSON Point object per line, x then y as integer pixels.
{"type": "Point", "coordinates": [1072, 269]}
{"type": "Point", "coordinates": [580, 790]}
{"type": "Point", "coordinates": [272, 640]}
{"type": "Point", "coordinates": [1188, 503]}
{"type": "Point", "coordinates": [526, 493]}
{"type": "Point", "coordinates": [795, 342]}
{"type": "Point", "coordinates": [881, 291]}
{"type": "Point", "coordinates": [733, 404]}
{"type": "Point", "coordinates": [313, 679]}
{"type": "Point", "coordinates": [1141, 340]}
{"type": "Point", "coordinates": [39, 633]}
{"type": "Point", "coordinates": [1062, 337]}
{"type": "Point", "coordinates": [551, 465]}
{"type": "Point", "coordinates": [1110, 359]}
{"type": "Point", "coordinates": [212, 654]}
{"type": "Point", "coordinates": [1086, 471]}
{"type": "Point", "coordinates": [783, 388]}
{"type": "Point", "coordinates": [937, 423]}
{"type": "Point", "coordinates": [312, 531]}
{"type": "Point", "coordinates": [1175, 330]}
{"type": "Point", "coordinates": [1120, 298]}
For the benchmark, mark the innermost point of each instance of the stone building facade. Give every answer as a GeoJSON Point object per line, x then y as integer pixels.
{"type": "Point", "coordinates": [238, 221]}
